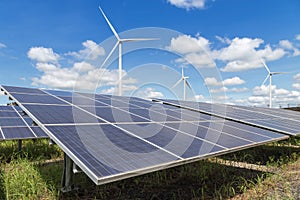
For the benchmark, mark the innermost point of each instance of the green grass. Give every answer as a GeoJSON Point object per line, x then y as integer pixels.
{"type": "Point", "coordinates": [26, 175]}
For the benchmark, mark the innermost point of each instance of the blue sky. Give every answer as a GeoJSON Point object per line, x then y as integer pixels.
{"type": "Point", "coordinates": [61, 44]}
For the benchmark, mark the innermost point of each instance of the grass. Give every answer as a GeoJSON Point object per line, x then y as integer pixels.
{"type": "Point", "coordinates": [26, 175]}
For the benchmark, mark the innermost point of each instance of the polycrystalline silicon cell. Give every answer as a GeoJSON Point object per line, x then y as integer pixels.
{"type": "Point", "coordinates": [265, 118]}
{"type": "Point", "coordinates": [15, 121]}
{"type": "Point", "coordinates": [171, 138]}
{"type": "Point", "coordinates": [17, 132]}
{"type": "Point", "coordinates": [50, 114]}
{"type": "Point", "coordinates": [8, 114]}
{"type": "Point", "coordinates": [59, 93]}
{"type": "Point", "coordinates": [114, 114]}
{"type": "Point", "coordinates": [12, 89]}
{"type": "Point", "coordinates": [82, 101]}
{"type": "Point", "coordinates": [37, 99]}
{"type": "Point", "coordinates": [107, 150]}
{"type": "Point", "coordinates": [39, 132]}
{"type": "Point", "coordinates": [6, 108]}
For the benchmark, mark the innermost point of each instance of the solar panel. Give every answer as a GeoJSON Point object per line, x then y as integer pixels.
{"type": "Point", "coordinates": [283, 121]}
{"type": "Point", "coordinates": [14, 126]}
{"type": "Point", "coordinates": [127, 136]}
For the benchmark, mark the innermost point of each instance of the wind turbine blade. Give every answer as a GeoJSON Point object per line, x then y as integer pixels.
{"type": "Point", "coordinates": [265, 79]}
{"type": "Point", "coordinates": [267, 68]}
{"type": "Point", "coordinates": [182, 73]}
{"type": "Point", "coordinates": [110, 25]}
{"type": "Point", "coordinates": [176, 83]}
{"type": "Point", "coordinates": [279, 73]}
{"type": "Point", "coordinates": [188, 84]}
{"type": "Point", "coordinates": [109, 55]}
{"type": "Point", "coordinates": [138, 39]}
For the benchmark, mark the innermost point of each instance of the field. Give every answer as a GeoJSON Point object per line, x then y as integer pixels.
{"type": "Point", "coordinates": [266, 172]}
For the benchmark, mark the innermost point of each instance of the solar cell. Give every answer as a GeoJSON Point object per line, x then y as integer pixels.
{"type": "Point", "coordinates": [127, 136]}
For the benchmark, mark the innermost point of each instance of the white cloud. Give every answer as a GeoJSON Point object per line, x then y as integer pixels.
{"type": "Point", "coordinates": [195, 50]}
{"type": "Point", "coordinates": [289, 46]}
{"type": "Point", "coordinates": [188, 4]}
{"type": "Point", "coordinates": [243, 89]}
{"type": "Point", "coordinates": [297, 37]}
{"type": "Point", "coordinates": [187, 44]}
{"type": "Point", "coordinates": [211, 81]}
{"type": "Point", "coordinates": [297, 77]}
{"type": "Point", "coordinates": [91, 51]}
{"type": "Point", "coordinates": [43, 55]}
{"type": "Point", "coordinates": [199, 97]}
{"type": "Point", "coordinates": [286, 44]}
{"type": "Point", "coordinates": [225, 89]}
{"type": "Point", "coordinates": [1, 93]}
{"type": "Point", "coordinates": [149, 93]}
{"type": "Point", "coordinates": [296, 86]}
{"type": "Point", "coordinates": [83, 67]}
{"type": "Point", "coordinates": [2, 45]}
{"type": "Point", "coordinates": [114, 90]}
{"type": "Point", "coordinates": [244, 54]}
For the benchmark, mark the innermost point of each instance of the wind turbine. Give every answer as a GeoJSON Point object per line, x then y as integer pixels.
{"type": "Point", "coordinates": [185, 83]}
{"type": "Point", "coordinates": [270, 74]}
{"type": "Point", "coordinates": [119, 43]}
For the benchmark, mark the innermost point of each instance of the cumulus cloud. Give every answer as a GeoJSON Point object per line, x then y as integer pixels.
{"type": "Point", "coordinates": [211, 81]}
{"type": "Point", "coordinates": [91, 51]}
{"type": "Point", "coordinates": [188, 4]}
{"type": "Point", "coordinates": [297, 77]}
{"type": "Point", "coordinates": [43, 55]}
{"type": "Point", "coordinates": [296, 86]}
{"type": "Point", "coordinates": [195, 50]}
{"type": "Point", "coordinates": [226, 89]}
{"type": "Point", "coordinates": [245, 53]}
{"type": "Point", "coordinates": [199, 97]}
{"type": "Point", "coordinates": [149, 93]}
{"type": "Point", "coordinates": [80, 75]}
{"type": "Point", "coordinates": [297, 37]}
{"type": "Point", "coordinates": [286, 44]}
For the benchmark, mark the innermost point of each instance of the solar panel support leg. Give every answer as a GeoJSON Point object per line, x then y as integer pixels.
{"type": "Point", "coordinates": [20, 145]}
{"type": "Point", "coordinates": [68, 175]}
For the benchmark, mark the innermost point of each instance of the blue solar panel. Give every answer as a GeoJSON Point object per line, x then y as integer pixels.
{"type": "Point", "coordinates": [125, 136]}
{"type": "Point", "coordinates": [41, 99]}
{"type": "Point", "coordinates": [16, 126]}
{"type": "Point", "coordinates": [54, 114]}
{"type": "Point", "coordinates": [6, 114]}
{"type": "Point", "coordinates": [17, 133]}
{"type": "Point", "coordinates": [107, 150]}
{"type": "Point", "coordinates": [16, 121]}
{"type": "Point", "coordinates": [283, 121]}
{"type": "Point", "coordinates": [23, 90]}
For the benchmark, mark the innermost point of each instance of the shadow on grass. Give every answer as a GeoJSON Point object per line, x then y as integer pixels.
{"type": "Point", "coordinates": [201, 180]}
{"type": "Point", "coordinates": [38, 149]}
{"type": "Point", "coordinates": [266, 154]}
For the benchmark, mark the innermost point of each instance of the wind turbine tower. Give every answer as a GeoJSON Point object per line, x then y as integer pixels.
{"type": "Point", "coordinates": [185, 83]}
{"type": "Point", "coordinates": [270, 74]}
{"type": "Point", "coordinates": [119, 43]}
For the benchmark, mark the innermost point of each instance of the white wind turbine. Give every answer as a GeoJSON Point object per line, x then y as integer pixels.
{"type": "Point", "coordinates": [185, 83]}
{"type": "Point", "coordinates": [270, 74]}
{"type": "Point", "coordinates": [119, 43]}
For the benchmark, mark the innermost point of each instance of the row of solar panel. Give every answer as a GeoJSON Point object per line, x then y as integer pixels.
{"type": "Point", "coordinates": [125, 136]}
{"type": "Point", "coordinates": [283, 121]}
{"type": "Point", "coordinates": [14, 126]}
